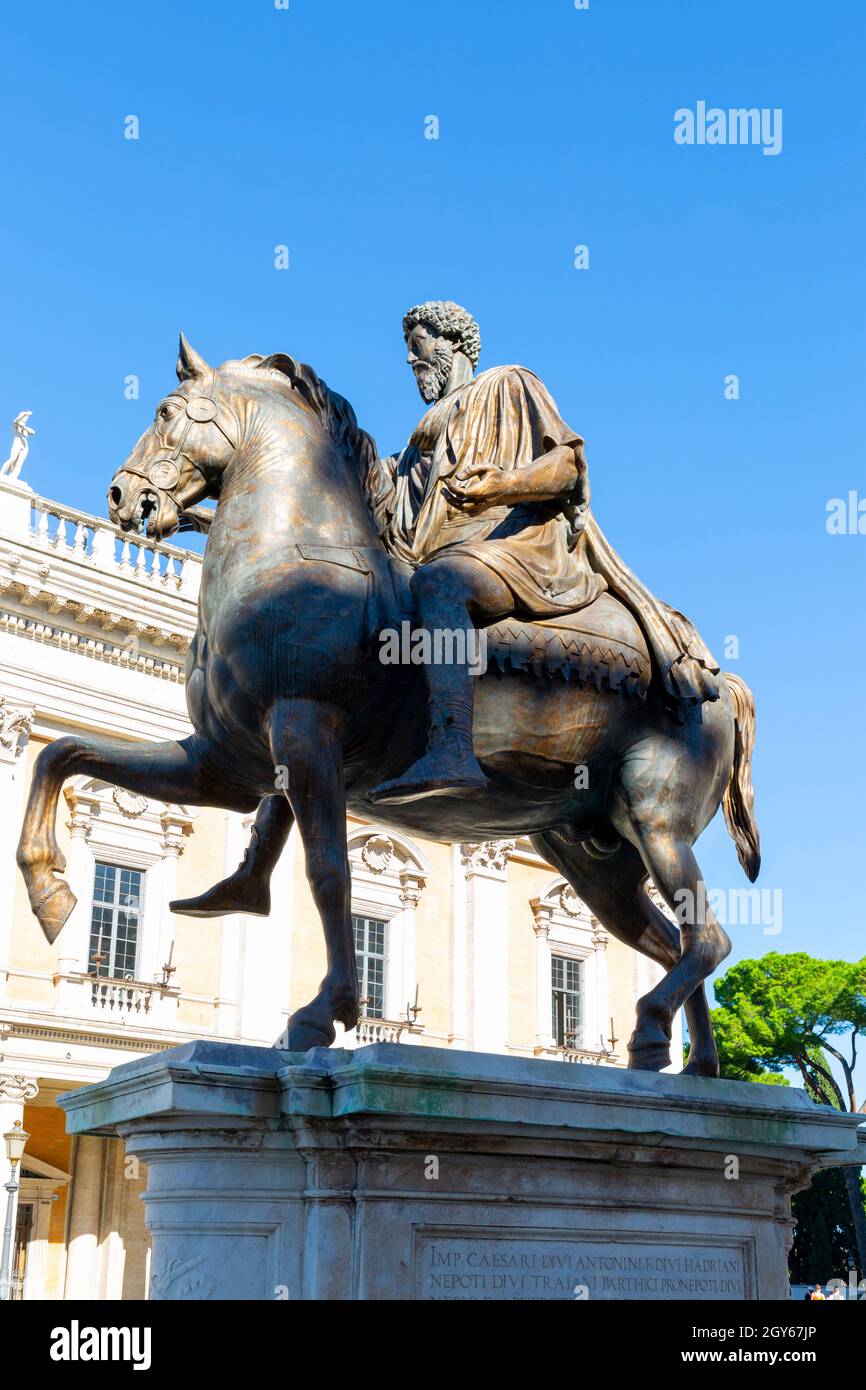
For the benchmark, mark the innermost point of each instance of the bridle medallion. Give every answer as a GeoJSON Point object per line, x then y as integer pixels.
{"type": "Point", "coordinates": [202, 409]}
{"type": "Point", "coordinates": [164, 474]}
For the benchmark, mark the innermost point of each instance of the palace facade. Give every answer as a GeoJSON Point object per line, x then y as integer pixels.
{"type": "Point", "coordinates": [473, 946]}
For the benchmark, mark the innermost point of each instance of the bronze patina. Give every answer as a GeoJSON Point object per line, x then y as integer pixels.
{"type": "Point", "coordinates": [318, 547]}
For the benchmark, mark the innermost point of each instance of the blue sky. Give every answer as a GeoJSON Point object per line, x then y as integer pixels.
{"type": "Point", "coordinates": [306, 127]}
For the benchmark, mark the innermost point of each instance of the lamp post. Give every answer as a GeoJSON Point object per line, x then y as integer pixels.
{"type": "Point", "coordinates": [16, 1142]}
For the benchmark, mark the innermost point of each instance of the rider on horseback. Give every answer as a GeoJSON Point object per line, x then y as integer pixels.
{"type": "Point", "coordinates": [488, 508]}
{"type": "Point", "coordinates": [489, 505]}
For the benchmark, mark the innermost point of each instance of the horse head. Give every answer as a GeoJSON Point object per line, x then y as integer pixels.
{"type": "Point", "coordinates": [181, 458]}
{"type": "Point", "coordinates": [220, 418]}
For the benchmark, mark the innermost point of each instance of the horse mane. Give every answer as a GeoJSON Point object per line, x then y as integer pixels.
{"type": "Point", "coordinates": [334, 411]}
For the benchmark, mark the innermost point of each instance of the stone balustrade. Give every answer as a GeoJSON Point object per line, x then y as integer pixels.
{"type": "Point", "coordinates": [126, 996]}
{"type": "Point", "coordinates": [578, 1054]}
{"type": "Point", "coordinates": [62, 530]}
{"type": "Point", "coordinates": [116, 999]}
{"type": "Point", "coordinates": [383, 1030]}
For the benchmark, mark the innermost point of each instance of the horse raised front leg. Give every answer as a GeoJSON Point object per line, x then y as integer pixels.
{"type": "Point", "coordinates": [169, 771]}
{"type": "Point", "coordinates": [306, 741]}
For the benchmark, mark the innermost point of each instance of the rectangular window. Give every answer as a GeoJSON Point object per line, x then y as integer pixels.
{"type": "Point", "coordinates": [114, 921]}
{"type": "Point", "coordinates": [370, 956]}
{"type": "Point", "coordinates": [567, 1000]}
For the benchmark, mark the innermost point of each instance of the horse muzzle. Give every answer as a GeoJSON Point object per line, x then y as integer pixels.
{"type": "Point", "coordinates": [141, 508]}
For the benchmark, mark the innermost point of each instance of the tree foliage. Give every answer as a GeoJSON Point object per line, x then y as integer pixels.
{"type": "Point", "coordinates": [793, 1011]}
{"type": "Point", "coordinates": [824, 1237]}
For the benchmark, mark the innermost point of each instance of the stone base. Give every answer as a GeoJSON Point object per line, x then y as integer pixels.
{"type": "Point", "coordinates": [397, 1172]}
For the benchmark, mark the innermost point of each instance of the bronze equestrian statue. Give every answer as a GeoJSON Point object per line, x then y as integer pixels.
{"type": "Point", "coordinates": [317, 549]}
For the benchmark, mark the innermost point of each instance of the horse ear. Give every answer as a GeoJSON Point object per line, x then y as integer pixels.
{"type": "Point", "coordinates": [188, 361]}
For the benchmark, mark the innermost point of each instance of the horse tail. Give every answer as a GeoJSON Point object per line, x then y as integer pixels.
{"type": "Point", "coordinates": [738, 803]}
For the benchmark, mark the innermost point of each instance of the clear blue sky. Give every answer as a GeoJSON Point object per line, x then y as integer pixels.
{"type": "Point", "coordinates": [306, 127]}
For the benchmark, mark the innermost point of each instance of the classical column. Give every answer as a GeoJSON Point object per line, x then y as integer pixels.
{"type": "Point", "coordinates": [73, 944]}
{"type": "Point", "coordinates": [280, 928]}
{"type": "Point", "coordinates": [267, 954]}
{"type": "Point", "coordinates": [230, 987]}
{"type": "Point", "coordinates": [543, 1005]}
{"type": "Point", "coordinates": [85, 1204]}
{"type": "Point", "coordinates": [459, 955]}
{"type": "Point", "coordinates": [176, 827]}
{"type": "Point", "coordinates": [485, 866]}
{"type": "Point", "coordinates": [601, 1003]}
{"type": "Point", "coordinates": [411, 884]}
{"type": "Point", "coordinates": [112, 1252]}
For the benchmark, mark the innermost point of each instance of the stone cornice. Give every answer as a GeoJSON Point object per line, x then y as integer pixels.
{"type": "Point", "coordinates": [82, 1033]}
{"type": "Point", "coordinates": [98, 633]}
{"type": "Point", "coordinates": [389, 1083]}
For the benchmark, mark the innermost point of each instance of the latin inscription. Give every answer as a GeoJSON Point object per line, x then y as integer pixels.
{"type": "Point", "coordinates": [450, 1266]}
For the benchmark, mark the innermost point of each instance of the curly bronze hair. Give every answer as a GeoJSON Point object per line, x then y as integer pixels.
{"type": "Point", "coordinates": [451, 321]}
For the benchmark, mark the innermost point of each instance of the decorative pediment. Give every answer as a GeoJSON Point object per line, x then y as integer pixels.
{"type": "Point", "coordinates": [388, 870]}
{"type": "Point", "coordinates": [32, 1167]}
{"type": "Point", "coordinates": [565, 916]}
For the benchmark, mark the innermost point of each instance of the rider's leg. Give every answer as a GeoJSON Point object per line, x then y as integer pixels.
{"type": "Point", "coordinates": [455, 594]}
{"type": "Point", "coordinates": [248, 888]}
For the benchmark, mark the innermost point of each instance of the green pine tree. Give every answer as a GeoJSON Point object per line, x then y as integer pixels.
{"type": "Point", "coordinates": [795, 1011]}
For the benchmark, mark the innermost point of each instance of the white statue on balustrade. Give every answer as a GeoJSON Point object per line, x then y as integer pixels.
{"type": "Point", "coordinates": [21, 433]}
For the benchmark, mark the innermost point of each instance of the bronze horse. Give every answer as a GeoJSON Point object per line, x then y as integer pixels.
{"type": "Point", "coordinates": [285, 689]}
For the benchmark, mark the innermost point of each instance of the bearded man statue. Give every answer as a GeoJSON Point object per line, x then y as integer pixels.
{"type": "Point", "coordinates": [488, 504]}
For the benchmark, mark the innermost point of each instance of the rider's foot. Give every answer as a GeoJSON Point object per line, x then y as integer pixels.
{"type": "Point", "coordinates": [453, 770]}
{"type": "Point", "coordinates": [239, 893]}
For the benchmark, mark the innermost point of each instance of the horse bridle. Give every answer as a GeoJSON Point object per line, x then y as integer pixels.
{"type": "Point", "coordinates": [163, 474]}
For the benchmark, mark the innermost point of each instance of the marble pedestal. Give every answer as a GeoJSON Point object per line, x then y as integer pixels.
{"type": "Point", "coordinates": [401, 1172]}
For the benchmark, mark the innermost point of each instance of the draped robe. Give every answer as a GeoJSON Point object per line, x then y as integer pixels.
{"type": "Point", "coordinates": [553, 563]}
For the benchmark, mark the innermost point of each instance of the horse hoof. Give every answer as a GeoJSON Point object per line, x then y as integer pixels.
{"type": "Point", "coordinates": [654, 1057]}
{"type": "Point", "coordinates": [302, 1034]}
{"type": "Point", "coordinates": [707, 1066]}
{"type": "Point", "coordinates": [53, 910]}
